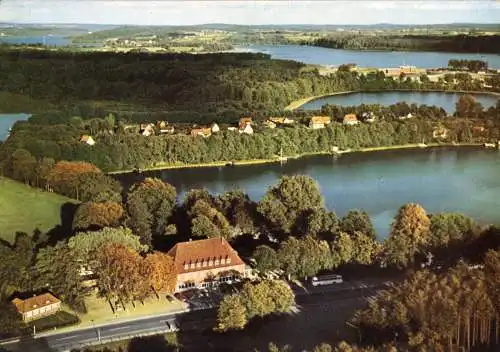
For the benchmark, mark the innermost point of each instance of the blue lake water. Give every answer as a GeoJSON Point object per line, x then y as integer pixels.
{"type": "Point", "coordinates": [441, 99]}
{"type": "Point", "coordinates": [379, 59]}
{"type": "Point", "coordinates": [440, 179]}
{"type": "Point", "coordinates": [7, 121]}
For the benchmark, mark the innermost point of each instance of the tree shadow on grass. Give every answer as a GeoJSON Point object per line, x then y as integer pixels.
{"type": "Point", "coordinates": [65, 229]}
{"type": "Point", "coordinates": [151, 344]}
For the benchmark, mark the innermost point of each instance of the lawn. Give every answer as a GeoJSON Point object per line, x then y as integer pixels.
{"type": "Point", "coordinates": [25, 209]}
{"type": "Point", "coordinates": [99, 310]}
{"type": "Point", "coordinates": [58, 320]}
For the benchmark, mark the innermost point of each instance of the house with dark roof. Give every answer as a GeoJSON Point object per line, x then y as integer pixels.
{"type": "Point", "coordinates": [37, 306]}
{"type": "Point", "coordinates": [205, 263]}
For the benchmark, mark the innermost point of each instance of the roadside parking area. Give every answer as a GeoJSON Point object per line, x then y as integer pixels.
{"type": "Point", "coordinates": [201, 298]}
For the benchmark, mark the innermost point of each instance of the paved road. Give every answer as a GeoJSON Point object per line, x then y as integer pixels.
{"type": "Point", "coordinates": [192, 320]}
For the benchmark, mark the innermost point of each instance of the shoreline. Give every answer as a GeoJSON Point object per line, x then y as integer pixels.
{"type": "Point", "coordinates": [303, 155]}
{"type": "Point", "coordinates": [296, 104]}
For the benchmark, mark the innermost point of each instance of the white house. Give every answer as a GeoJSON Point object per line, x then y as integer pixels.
{"type": "Point", "coordinates": [247, 129]}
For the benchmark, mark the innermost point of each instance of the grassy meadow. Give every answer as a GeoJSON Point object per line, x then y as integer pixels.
{"type": "Point", "coordinates": [24, 209]}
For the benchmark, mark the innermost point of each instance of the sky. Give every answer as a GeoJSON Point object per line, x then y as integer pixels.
{"type": "Point", "coordinates": [248, 12]}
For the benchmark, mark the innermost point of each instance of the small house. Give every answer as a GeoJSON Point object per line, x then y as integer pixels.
{"type": "Point", "coordinates": [282, 120]}
{"type": "Point", "coordinates": [247, 129]}
{"type": "Point", "coordinates": [350, 119]}
{"type": "Point", "coordinates": [317, 122]}
{"type": "Point", "coordinates": [233, 129]}
{"type": "Point", "coordinates": [203, 132]}
{"type": "Point", "coordinates": [406, 117]}
{"type": "Point", "coordinates": [269, 124]}
{"type": "Point", "coordinates": [87, 139]}
{"type": "Point", "coordinates": [147, 129]}
{"type": "Point", "coordinates": [164, 127]}
{"type": "Point", "coordinates": [244, 121]}
{"type": "Point", "coordinates": [37, 306]}
{"type": "Point", "coordinates": [440, 132]}
{"type": "Point", "coordinates": [214, 127]}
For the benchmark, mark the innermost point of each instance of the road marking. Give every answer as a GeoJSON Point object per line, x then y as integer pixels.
{"type": "Point", "coordinates": [65, 338]}
{"type": "Point", "coordinates": [118, 328]}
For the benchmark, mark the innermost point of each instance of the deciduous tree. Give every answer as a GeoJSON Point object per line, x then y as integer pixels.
{"type": "Point", "coordinates": [150, 205]}
{"type": "Point", "coordinates": [266, 259]}
{"type": "Point", "coordinates": [232, 314]}
{"type": "Point", "coordinates": [106, 214]}
{"type": "Point", "coordinates": [287, 202]}
{"type": "Point", "coordinates": [409, 235]}
{"type": "Point", "coordinates": [65, 177]}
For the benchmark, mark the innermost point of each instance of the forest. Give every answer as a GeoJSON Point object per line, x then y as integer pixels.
{"type": "Point", "coordinates": [449, 43]}
{"type": "Point", "coordinates": [180, 87]}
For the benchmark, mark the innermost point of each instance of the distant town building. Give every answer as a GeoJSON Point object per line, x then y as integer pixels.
{"type": "Point", "coordinates": [282, 120]}
{"type": "Point", "coordinates": [318, 122]}
{"type": "Point", "coordinates": [37, 306]}
{"type": "Point", "coordinates": [244, 121]}
{"type": "Point", "coordinates": [203, 132]}
{"type": "Point", "coordinates": [147, 129]}
{"type": "Point", "coordinates": [247, 129]}
{"type": "Point", "coordinates": [406, 117]}
{"type": "Point", "coordinates": [269, 124]}
{"type": "Point", "coordinates": [215, 127]}
{"type": "Point", "coordinates": [205, 263]}
{"type": "Point", "coordinates": [164, 127]}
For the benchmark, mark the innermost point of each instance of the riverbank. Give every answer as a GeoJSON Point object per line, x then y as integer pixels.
{"type": "Point", "coordinates": [300, 102]}
{"type": "Point", "coordinates": [165, 166]}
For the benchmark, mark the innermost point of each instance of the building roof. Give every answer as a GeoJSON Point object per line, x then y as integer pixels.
{"type": "Point", "coordinates": [350, 117]}
{"type": "Point", "coordinates": [320, 119]}
{"type": "Point", "coordinates": [201, 131]}
{"type": "Point", "coordinates": [35, 302]}
{"type": "Point", "coordinates": [204, 252]}
{"type": "Point", "coordinates": [86, 138]}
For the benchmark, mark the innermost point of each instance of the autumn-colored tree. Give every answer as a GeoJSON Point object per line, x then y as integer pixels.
{"type": "Point", "coordinates": [161, 272]}
{"type": "Point", "coordinates": [288, 202]}
{"type": "Point", "coordinates": [409, 235]}
{"type": "Point", "coordinates": [107, 214]}
{"type": "Point", "coordinates": [150, 205]}
{"type": "Point", "coordinates": [118, 273]}
{"type": "Point", "coordinates": [231, 314]}
{"type": "Point", "coordinates": [65, 176]}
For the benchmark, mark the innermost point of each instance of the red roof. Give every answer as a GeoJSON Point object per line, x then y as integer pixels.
{"type": "Point", "coordinates": [34, 302]}
{"type": "Point", "coordinates": [203, 255]}
{"type": "Point", "coordinates": [350, 117]}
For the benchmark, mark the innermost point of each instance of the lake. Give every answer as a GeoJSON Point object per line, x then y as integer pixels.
{"type": "Point", "coordinates": [53, 40]}
{"type": "Point", "coordinates": [378, 59]}
{"type": "Point", "coordinates": [461, 179]}
{"type": "Point", "coordinates": [7, 121]}
{"type": "Point", "coordinates": [446, 100]}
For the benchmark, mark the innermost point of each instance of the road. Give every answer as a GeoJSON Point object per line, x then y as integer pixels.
{"type": "Point", "coordinates": [198, 319]}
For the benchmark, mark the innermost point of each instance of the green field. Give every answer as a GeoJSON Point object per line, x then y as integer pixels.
{"type": "Point", "coordinates": [24, 209]}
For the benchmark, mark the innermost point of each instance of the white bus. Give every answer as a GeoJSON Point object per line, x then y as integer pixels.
{"type": "Point", "coordinates": [326, 280]}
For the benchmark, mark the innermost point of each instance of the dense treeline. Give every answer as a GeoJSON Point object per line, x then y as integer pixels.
{"type": "Point", "coordinates": [452, 311]}
{"type": "Point", "coordinates": [456, 43]}
{"type": "Point", "coordinates": [471, 65]}
{"type": "Point", "coordinates": [33, 146]}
